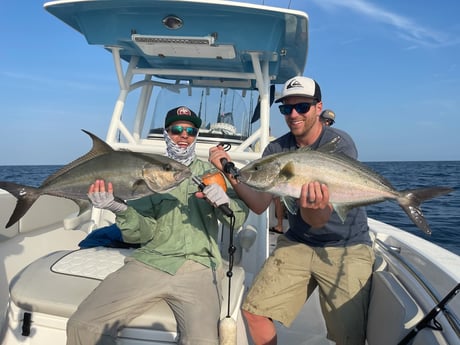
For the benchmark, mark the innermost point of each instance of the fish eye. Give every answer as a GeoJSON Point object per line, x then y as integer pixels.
{"type": "Point", "coordinates": [167, 167]}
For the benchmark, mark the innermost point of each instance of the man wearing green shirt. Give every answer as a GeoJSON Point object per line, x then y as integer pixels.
{"type": "Point", "coordinates": [178, 260]}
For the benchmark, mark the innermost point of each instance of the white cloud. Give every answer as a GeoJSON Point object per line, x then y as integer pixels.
{"type": "Point", "coordinates": [407, 29]}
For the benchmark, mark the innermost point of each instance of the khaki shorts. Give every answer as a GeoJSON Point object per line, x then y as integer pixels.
{"type": "Point", "coordinates": [294, 270]}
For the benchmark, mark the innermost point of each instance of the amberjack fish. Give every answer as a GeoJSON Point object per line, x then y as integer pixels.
{"type": "Point", "coordinates": [133, 175]}
{"type": "Point", "coordinates": [350, 183]}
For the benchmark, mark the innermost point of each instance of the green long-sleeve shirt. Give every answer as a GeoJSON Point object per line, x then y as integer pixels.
{"type": "Point", "coordinates": [177, 226]}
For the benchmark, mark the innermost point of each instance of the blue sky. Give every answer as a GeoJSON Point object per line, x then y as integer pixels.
{"type": "Point", "coordinates": [389, 69]}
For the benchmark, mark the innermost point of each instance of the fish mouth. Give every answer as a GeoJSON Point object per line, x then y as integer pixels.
{"type": "Point", "coordinates": [182, 175]}
{"type": "Point", "coordinates": [252, 181]}
{"type": "Point", "coordinates": [242, 177]}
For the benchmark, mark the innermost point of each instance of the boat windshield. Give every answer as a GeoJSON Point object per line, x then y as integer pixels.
{"type": "Point", "coordinates": [225, 112]}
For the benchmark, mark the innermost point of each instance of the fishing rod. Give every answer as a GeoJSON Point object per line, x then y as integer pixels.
{"type": "Point", "coordinates": [228, 167]}
{"type": "Point", "coordinates": [431, 317]}
{"type": "Point", "coordinates": [227, 326]}
{"type": "Point", "coordinates": [201, 103]}
{"type": "Point", "coordinates": [220, 105]}
{"type": "Point", "coordinates": [224, 207]}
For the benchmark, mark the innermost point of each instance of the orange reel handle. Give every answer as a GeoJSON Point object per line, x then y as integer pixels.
{"type": "Point", "coordinates": [214, 177]}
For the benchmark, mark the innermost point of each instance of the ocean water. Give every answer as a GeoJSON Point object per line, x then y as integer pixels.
{"type": "Point", "coordinates": [442, 213]}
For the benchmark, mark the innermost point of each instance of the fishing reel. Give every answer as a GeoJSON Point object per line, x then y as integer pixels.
{"type": "Point", "coordinates": [214, 177]}
{"type": "Point", "coordinates": [228, 167]}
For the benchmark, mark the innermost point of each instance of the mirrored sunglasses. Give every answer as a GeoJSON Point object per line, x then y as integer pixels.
{"type": "Point", "coordinates": [192, 131]}
{"type": "Point", "coordinates": [301, 108]}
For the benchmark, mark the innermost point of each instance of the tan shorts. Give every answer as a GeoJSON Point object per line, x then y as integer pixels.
{"type": "Point", "coordinates": [192, 293]}
{"type": "Point", "coordinates": [294, 270]}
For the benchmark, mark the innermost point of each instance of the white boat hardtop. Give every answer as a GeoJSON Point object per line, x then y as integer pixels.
{"type": "Point", "coordinates": [216, 35]}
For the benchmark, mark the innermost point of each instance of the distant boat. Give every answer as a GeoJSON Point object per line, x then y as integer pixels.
{"type": "Point", "coordinates": [221, 58]}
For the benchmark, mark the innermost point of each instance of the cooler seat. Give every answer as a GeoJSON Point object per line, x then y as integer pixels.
{"type": "Point", "coordinates": [56, 284]}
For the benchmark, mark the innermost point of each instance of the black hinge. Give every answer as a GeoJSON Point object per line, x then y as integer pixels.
{"type": "Point", "coordinates": [26, 323]}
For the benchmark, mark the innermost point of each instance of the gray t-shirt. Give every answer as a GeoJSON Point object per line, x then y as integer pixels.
{"type": "Point", "coordinates": [355, 229]}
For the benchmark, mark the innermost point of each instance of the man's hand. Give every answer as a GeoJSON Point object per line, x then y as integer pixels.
{"type": "Point", "coordinates": [215, 195]}
{"type": "Point", "coordinates": [216, 154]}
{"type": "Point", "coordinates": [314, 195]}
{"type": "Point", "coordinates": [100, 198]}
{"type": "Point", "coordinates": [315, 208]}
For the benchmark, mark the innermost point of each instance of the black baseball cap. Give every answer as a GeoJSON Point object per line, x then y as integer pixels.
{"type": "Point", "coordinates": [182, 113]}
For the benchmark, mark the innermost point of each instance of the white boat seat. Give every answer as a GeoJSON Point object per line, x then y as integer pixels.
{"type": "Point", "coordinates": [57, 283]}
{"type": "Point", "coordinates": [392, 311]}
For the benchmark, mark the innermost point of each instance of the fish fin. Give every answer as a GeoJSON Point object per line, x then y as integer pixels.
{"type": "Point", "coordinates": [331, 146]}
{"type": "Point", "coordinates": [100, 147]}
{"type": "Point", "coordinates": [342, 210]}
{"type": "Point", "coordinates": [83, 205]}
{"type": "Point", "coordinates": [25, 195]}
{"type": "Point", "coordinates": [304, 149]}
{"type": "Point", "coordinates": [288, 171]}
{"type": "Point", "coordinates": [290, 203]}
{"type": "Point", "coordinates": [411, 200]}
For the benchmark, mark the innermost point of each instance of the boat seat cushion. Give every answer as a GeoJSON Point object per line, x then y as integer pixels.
{"type": "Point", "coordinates": [57, 283]}
{"type": "Point", "coordinates": [392, 311]}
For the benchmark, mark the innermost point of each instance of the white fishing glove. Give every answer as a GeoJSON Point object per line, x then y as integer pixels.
{"type": "Point", "coordinates": [216, 195]}
{"type": "Point", "coordinates": [105, 200]}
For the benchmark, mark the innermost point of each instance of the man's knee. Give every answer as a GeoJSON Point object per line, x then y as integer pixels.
{"type": "Point", "coordinates": [251, 318]}
{"type": "Point", "coordinates": [262, 328]}
{"type": "Point", "coordinates": [79, 328]}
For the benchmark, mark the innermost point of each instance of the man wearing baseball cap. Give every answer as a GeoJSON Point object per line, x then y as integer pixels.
{"type": "Point", "coordinates": [327, 117]}
{"type": "Point", "coordinates": [318, 249]}
{"type": "Point", "coordinates": [178, 261]}
{"type": "Point", "coordinates": [300, 86]}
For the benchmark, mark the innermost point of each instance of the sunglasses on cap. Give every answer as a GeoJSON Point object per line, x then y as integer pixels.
{"type": "Point", "coordinates": [301, 108]}
{"type": "Point", "coordinates": [191, 131]}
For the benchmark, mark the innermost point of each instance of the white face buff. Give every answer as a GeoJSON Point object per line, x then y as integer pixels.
{"type": "Point", "coordinates": [180, 154]}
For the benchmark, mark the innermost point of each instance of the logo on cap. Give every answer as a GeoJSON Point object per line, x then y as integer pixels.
{"type": "Point", "coordinates": [184, 111]}
{"type": "Point", "coordinates": [294, 83]}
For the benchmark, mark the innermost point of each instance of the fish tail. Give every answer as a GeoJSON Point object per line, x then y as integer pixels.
{"type": "Point", "coordinates": [411, 200]}
{"type": "Point", "coordinates": [25, 195]}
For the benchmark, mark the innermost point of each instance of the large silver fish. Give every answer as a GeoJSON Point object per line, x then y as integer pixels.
{"type": "Point", "coordinates": [350, 183]}
{"type": "Point", "coordinates": [133, 175]}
